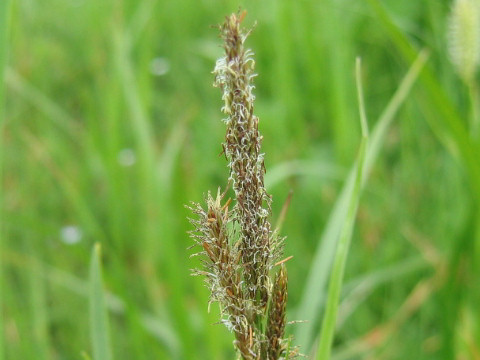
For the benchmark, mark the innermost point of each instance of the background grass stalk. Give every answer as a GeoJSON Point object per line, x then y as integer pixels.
{"type": "Point", "coordinates": [314, 292]}
{"type": "Point", "coordinates": [453, 131]}
{"type": "Point", "coordinates": [4, 31]}
{"type": "Point", "coordinates": [99, 332]}
{"type": "Point", "coordinates": [449, 125]}
{"type": "Point", "coordinates": [475, 110]}
{"type": "Point", "coordinates": [338, 269]}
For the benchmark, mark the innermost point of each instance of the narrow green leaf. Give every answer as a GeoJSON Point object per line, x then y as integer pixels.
{"type": "Point", "coordinates": [4, 7]}
{"type": "Point", "coordinates": [42, 102]}
{"type": "Point", "coordinates": [357, 290]}
{"type": "Point", "coordinates": [361, 100]}
{"type": "Point", "coordinates": [158, 328]}
{"type": "Point", "coordinates": [336, 278]}
{"type": "Point", "coordinates": [313, 296]}
{"type": "Point", "coordinates": [99, 332]}
{"type": "Point", "coordinates": [449, 127]}
{"type": "Point", "coordinates": [324, 170]}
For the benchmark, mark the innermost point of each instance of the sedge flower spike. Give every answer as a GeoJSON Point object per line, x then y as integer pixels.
{"type": "Point", "coordinates": [234, 75]}
{"type": "Point", "coordinates": [238, 247]}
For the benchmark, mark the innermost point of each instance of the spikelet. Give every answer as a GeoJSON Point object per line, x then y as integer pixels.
{"type": "Point", "coordinates": [234, 76]}
{"type": "Point", "coordinates": [238, 247]}
{"type": "Point", "coordinates": [276, 316]}
{"type": "Point", "coordinates": [221, 264]}
{"type": "Point", "coordinates": [464, 37]}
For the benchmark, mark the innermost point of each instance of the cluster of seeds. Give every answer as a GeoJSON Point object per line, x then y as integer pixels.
{"type": "Point", "coordinates": [238, 246]}
{"type": "Point", "coordinates": [234, 74]}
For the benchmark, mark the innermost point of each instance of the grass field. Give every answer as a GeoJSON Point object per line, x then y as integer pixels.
{"type": "Point", "coordinates": [109, 126]}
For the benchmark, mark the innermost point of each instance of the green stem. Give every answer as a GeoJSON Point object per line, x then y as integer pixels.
{"type": "Point", "coordinates": [336, 278]}
{"type": "Point", "coordinates": [474, 110]}
{"type": "Point", "coordinates": [4, 12]}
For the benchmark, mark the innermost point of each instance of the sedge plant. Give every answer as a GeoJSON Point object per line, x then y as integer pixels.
{"type": "Point", "coordinates": [239, 248]}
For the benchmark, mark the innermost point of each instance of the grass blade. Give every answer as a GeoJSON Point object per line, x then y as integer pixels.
{"type": "Point", "coordinates": [336, 278]}
{"type": "Point", "coordinates": [314, 291]}
{"type": "Point", "coordinates": [285, 170]}
{"type": "Point", "coordinates": [52, 111]}
{"type": "Point", "coordinates": [357, 290]}
{"type": "Point", "coordinates": [4, 7]}
{"type": "Point", "coordinates": [99, 332]}
{"type": "Point", "coordinates": [449, 127]}
{"type": "Point", "coordinates": [153, 325]}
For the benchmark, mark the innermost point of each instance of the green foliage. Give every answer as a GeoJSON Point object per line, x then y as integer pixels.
{"type": "Point", "coordinates": [4, 27]}
{"type": "Point", "coordinates": [111, 125]}
{"type": "Point", "coordinates": [99, 331]}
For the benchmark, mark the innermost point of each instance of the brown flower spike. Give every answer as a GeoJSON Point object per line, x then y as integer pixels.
{"type": "Point", "coordinates": [238, 246]}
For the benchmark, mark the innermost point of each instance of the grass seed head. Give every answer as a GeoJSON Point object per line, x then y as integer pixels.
{"type": "Point", "coordinates": [464, 37]}
{"type": "Point", "coordinates": [237, 244]}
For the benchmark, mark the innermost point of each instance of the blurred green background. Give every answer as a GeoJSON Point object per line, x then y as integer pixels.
{"type": "Point", "coordinates": [110, 126]}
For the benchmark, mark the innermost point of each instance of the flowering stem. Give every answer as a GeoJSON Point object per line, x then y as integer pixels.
{"type": "Point", "coordinates": [238, 245]}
